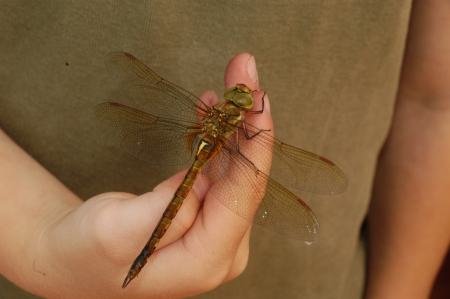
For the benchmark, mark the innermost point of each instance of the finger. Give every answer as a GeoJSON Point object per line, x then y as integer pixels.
{"type": "Point", "coordinates": [138, 216]}
{"type": "Point", "coordinates": [209, 97]}
{"type": "Point", "coordinates": [241, 258]}
{"type": "Point", "coordinates": [219, 229]}
{"type": "Point", "coordinates": [242, 69]}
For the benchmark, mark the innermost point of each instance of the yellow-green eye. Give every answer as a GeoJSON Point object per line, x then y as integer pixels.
{"type": "Point", "coordinates": [240, 95]}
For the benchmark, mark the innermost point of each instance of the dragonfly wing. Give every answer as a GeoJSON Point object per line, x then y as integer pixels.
{"type": "Point", "coordinates": [150, 138]}
{"type": "Point", "coordinates": [292, 166]}
{"type": "Point", "coordinates": [282, 211]}
{"type": "Point", "coordinates": [150, 91]}
{"type": "Point", "coordinates": [250, 193]}
{"type": "Point", "coordinates": [234, 184]}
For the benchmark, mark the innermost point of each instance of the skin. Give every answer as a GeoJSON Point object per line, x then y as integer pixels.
{"type": "Point", "coordinates": [84, 249]}
{"type": "Point", "coordinates": [409, 221]}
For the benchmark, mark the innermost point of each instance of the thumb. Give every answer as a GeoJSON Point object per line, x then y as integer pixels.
{"type": "Point", "coordinates": [242, 70]}
{"type": "Point", "coordinates": [223, 230]}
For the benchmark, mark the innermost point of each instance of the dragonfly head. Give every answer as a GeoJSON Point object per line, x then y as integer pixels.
{"type": "Point", "coordinates": [240, 95]}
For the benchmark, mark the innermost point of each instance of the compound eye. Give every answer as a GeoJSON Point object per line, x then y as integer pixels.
{"type": "Point", "coordinates": [230, 93]}
{"type": "Point", "coordinates": [240, 95]}
{"type": "Point", "coordinates": [243, 100]}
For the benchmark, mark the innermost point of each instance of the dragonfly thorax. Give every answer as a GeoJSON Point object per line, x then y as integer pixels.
{"type": "Point", "coordinates": [223, 119]}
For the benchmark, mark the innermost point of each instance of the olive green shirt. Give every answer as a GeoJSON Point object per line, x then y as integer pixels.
{"type": "Point", "coordinates": [330, 68]}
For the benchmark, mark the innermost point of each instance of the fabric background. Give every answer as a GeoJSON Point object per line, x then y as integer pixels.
{"type": "Point", "coordinates": [330, 68]}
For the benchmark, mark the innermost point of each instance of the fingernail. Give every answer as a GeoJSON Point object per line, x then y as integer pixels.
{"type": "Point", "coordinates": [267, 103]}
{"type": "Point", "coordinates": [251, 69]}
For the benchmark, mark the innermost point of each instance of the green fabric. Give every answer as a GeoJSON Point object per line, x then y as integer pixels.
{"type": "Point", "coordinates": [330, 68]}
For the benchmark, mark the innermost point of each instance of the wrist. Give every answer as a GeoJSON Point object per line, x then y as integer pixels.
{"type": "Point", "coordinates": [39, 271]}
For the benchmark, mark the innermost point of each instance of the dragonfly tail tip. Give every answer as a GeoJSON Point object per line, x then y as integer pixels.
{"type": "Point", "coordinates": [126, 282]}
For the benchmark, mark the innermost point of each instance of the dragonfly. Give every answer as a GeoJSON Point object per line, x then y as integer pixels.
{"type": "Point", "coordinates": [231, 154]}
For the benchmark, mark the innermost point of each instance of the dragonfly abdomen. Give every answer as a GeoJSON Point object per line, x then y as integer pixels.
{"type": "Point", "coordinates": [206, 151]}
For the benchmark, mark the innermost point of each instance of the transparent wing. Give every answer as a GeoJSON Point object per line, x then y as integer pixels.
{"type": "Point", "coordinates": [150, 91]}
{"type": "Point", "coordinates": [291, 166]}
{"type": "Point", "coordinates": [237, 178]}
{"type": "Point", "coordinates": [239, 185]}
{"type": "Point", "coordinates": [154, 139]}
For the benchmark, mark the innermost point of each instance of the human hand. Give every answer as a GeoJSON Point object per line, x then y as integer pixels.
{"type": "Point", "coordinates": [87, 253]}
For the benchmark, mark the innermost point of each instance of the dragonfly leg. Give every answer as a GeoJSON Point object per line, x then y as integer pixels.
{"type": "Point", "coordinates": [238, 150]}
{"type": "Point", "coordinates": [256, 134]}
{"type": "Point", "coordinates": [262, 108]}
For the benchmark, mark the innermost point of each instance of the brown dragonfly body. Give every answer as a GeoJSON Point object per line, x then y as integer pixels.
{"type": "Point", "coordinates": [205, 153]}
{"type": "Point", "coordinates": [213, 126]}
{"type": "Point", "coordinates": [230, 152]}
